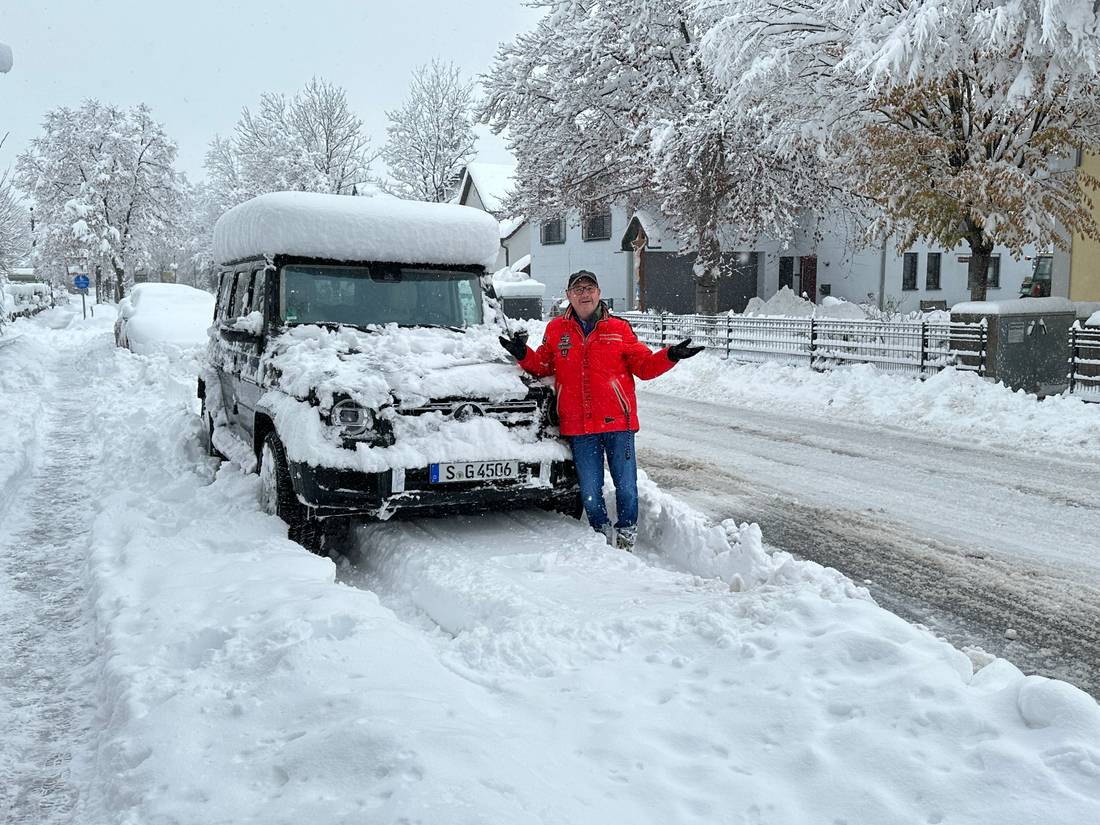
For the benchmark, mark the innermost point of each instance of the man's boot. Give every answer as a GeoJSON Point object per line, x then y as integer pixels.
{"type": "Point", "coordinates": [608, 533]}
{"type": "Point", "coordinates": [625, 538]}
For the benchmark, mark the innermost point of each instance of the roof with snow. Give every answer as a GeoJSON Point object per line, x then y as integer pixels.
{"type": "Point", "coordinates": [494, 182]}
{"type": "Point", "coordinates": [348, 228]}
{"type": "Point", "coordinates": [655, 227]}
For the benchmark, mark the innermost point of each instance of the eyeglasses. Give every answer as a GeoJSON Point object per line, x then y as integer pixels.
{"type": "Point", "coordinates": [582, 290]}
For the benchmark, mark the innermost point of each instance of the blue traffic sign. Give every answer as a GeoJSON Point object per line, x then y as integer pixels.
{"type": "Point", "coordinates": [81, 281]}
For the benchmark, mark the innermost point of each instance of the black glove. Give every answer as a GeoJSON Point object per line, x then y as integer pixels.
{"type": "Point", "coordinates": [678, 352]}
{"type": "Point", "coordinates": [516, 345]}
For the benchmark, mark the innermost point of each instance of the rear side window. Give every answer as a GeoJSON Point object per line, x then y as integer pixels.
{"type": "Point", "coordinates": [240, 295]}
{"type": "Point", "coordinates": [225, 289]}
{"type": "Point", "coordinates": [258, 279]}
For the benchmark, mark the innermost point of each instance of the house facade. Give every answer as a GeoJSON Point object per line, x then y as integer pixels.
{"type": "Point", "coordinates": [1082, 262]}
{"type": "Point", "coordinates": [640, 265]}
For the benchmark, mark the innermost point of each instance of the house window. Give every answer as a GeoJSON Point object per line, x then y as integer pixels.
{"type": "Point", "coordinates": [786, 272]}
{"type": "Point", "coordinates": [553, 232]}
{"type": "Point", "coordinates": [596, 227]}
{"type": "Point", "coordinates": [993, 272]}
{"type": "Point", "coordinates": [909, 271]}
{"type": "Point", "coordinates": [932, 271]}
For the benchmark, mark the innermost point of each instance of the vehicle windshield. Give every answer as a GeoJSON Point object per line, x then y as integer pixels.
{"type": "Point", "coordinates": [364, 295]}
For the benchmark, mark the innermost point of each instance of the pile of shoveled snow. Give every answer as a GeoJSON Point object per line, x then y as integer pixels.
{"type": "Point", "coordinates": [951, 403]}
{"type": "Point", "coordinates": [786, 304]}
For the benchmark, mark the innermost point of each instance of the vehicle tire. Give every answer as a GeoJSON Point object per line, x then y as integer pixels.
{"type": "Point", "coordinates": [568, 505]}
{"type": "Point", "coordinates": [277, 497]}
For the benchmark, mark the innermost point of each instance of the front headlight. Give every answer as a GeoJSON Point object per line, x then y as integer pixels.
{"type": "Point", "coordinates": [353, 420]}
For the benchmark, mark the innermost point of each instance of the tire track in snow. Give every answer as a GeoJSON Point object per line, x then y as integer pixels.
{"type": "Point", "coordinates": [46, 642]}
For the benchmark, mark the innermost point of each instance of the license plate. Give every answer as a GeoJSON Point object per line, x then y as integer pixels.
{"type": "Point", "coordinates": [474, 471]}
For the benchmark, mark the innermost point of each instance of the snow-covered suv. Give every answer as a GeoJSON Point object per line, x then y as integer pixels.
{"type": "Point", "coordinates": [354, 363]}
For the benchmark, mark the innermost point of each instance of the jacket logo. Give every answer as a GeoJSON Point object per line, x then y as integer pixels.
{"type": "Point", "coordinates": [565, 343]}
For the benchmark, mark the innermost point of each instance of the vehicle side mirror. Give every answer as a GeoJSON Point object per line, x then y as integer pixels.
{"type": "Point", "coordinates": [244, 328]}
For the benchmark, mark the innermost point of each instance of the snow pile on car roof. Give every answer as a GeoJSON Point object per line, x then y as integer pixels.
{"type": "Point", "coordinates": [349, 228]}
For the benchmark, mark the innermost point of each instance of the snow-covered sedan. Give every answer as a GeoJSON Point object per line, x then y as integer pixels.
{"type": "Point", "coordinates": [156, 317]}
{"type": "Point", "coordinates": [356, 365]}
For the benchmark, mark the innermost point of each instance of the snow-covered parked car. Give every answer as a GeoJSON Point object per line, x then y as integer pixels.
{"type": "Point", "coordinates": [356, 365]}
{"type": "Point", "coordinates": [154, 317]}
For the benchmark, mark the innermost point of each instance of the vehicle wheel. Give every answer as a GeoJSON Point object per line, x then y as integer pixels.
{"type": "Point", "coordinates": [568, 505]}
{"type": "Point", "coordinates": [277, 496]}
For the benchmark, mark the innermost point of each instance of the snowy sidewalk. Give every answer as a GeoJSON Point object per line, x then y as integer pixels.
{"type": "Point", "coordinates": [46, 636]}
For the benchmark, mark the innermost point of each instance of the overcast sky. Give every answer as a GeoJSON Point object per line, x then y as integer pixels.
{"type": "Point", "coordinates": [198, 62]}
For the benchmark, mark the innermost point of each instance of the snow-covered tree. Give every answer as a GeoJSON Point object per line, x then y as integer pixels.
{"type": "Point", "coordinates": [431, 136]}
{"type": "Point", "coordinates": [955, 119]}
{"type": "Point", "coordinates": [14, 228]}
{"type": "Point", "coordinates": [610, 102]}
{"type": "Point", "coordinates": [103, 186]}
{"type": "Point", "coordinates": [311, 142]}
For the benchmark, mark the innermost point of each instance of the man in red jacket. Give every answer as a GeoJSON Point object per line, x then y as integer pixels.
{"type": "Point", "coordinates": [594, 358]}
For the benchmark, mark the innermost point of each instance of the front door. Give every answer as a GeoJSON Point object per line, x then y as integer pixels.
{"type": "Point", "coordinates": [808, 276]}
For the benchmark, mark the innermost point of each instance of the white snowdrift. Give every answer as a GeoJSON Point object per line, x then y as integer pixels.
{"type": "Point", "coordinates": [348, 228]}
{"type": "Point", "coordinates": [954, 404]}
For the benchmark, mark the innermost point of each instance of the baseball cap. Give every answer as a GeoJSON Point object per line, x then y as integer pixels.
{"type": "Point", "coordinates": [580, 275]}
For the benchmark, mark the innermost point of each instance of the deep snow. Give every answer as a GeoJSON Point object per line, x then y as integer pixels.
{"type": "Point", "coordinates": [506, 668]}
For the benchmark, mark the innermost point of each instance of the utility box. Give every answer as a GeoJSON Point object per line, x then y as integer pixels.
{"type": "Point", "coordinates": [1027, 346]}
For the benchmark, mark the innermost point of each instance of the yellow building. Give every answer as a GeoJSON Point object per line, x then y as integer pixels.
{"type": "Point", "coordinates": [1084, 258]}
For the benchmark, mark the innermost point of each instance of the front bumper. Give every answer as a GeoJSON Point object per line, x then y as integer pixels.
{"type": "Point", "coordinates": [329, 492]}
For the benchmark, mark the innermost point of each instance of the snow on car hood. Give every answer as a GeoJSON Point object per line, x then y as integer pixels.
{"type": "Point", "coordinates": [382, 365]}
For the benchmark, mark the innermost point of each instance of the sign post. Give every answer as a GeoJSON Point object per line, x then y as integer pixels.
{"type": "Point", "coordinates": [81, 283]}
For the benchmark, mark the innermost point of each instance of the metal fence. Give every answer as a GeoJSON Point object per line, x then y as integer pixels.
{"type": "Point", "coordinates": [1084, 363]}
{"type": "Point", "coordinates": [909, 348]}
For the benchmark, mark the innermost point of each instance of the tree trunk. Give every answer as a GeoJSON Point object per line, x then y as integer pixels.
{"type": "Point", "coordinates": [98, 284]}
{"type": "Point", "coordinates": [120, 283]}
{"type": "Point", "coordinates": [706, 275]}
{"type": "Point", "coordinates": [977, 269]}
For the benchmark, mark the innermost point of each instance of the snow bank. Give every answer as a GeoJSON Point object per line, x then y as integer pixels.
{"type": "Point", "coordinates": [953, 404]}
{"type": "Point", "coordinates": [344, 227]}
{"type": "Point", "coordinates": [166, 315]}
{"type": "Point", "coordinates": [783, 304]}
{"type": "Point", "coordinates": [659, 696]}
{"type": "Point", "coordinates": [786, 304]}
{"type": "Point", "coordinates": [1093, 320]}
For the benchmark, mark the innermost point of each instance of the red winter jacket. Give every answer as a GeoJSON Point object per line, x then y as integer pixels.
{"type": "Point", "coordinates": [595, 375]}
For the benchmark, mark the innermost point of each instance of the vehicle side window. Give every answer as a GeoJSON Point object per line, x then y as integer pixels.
{"type": "Point", "coordinates": [240, 295]}
{"type": "Point", "coordinates": [225, 288]}
{"type": "Point", "coordinates": [258, 279]}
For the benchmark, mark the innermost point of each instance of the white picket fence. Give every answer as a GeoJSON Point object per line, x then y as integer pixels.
{"type": "Point", "coordinates": [910, 347]}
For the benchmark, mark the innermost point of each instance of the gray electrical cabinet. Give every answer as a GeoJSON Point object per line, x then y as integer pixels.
{"type": "Point", "coordinates": [1027, 345]}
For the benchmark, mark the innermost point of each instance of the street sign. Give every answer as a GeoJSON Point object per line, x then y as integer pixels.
{"type": "Point", "coordinates": [81, 281]}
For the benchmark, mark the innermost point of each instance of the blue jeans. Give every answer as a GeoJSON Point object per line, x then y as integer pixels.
{"type": "Point", "coordinates": [588, 455]}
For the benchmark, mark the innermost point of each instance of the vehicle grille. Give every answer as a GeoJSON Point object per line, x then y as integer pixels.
{"type": "Point", "coordinates": [520, 413]}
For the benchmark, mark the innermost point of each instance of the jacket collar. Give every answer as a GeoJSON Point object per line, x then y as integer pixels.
{"type": "Point", "coordinates": [600, 313]}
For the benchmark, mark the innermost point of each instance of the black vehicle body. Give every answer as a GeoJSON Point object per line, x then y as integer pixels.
{"type": "Point", "coordinates": [240, 421]}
